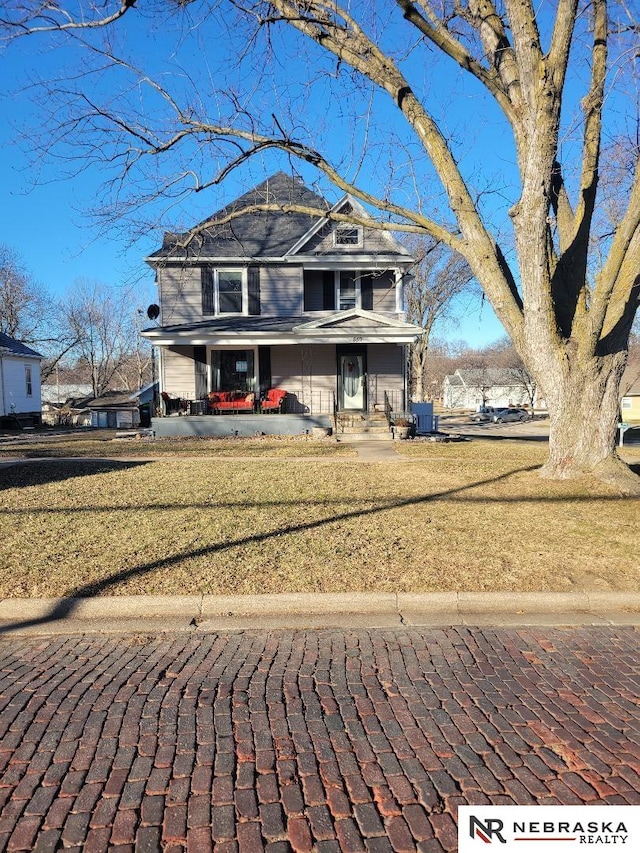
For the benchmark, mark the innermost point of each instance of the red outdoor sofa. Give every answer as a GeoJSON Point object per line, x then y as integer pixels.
{"type": "Point", "coordinates": [240, 401]}
{"type": "Point", "coordinates": [231, 401]}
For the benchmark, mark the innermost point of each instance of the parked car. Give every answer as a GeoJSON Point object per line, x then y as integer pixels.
{"type": "Point", "coordinates": [484, 414]}
{"type": "Point", "coordinates": [503, 416]}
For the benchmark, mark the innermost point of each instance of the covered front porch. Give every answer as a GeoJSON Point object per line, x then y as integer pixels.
{"type": "Point", "coordinates": [282, 376]}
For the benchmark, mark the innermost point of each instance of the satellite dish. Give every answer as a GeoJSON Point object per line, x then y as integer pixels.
{"type": "Point", "coordinates": [153, 312]}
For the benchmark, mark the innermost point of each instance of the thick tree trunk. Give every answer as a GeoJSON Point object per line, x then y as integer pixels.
{"type": "Point", "coordinates": [418, 354]}
{"type": "Point", "coordinates": [584, 410]}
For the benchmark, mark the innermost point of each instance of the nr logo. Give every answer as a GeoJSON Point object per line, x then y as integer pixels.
{"type": "Point", "coordinates": [486, 831]}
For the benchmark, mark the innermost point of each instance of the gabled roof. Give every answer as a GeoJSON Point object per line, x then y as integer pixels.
{"type": "Point", "coordinates": [475, 377]}
{"type": "Point", "coordinates": [107, 400]}
{"type": "Point", "coordinates": [16, 347]}
{"type": "Point", "coordinates": [347, 205]}
{"type": "Point", "coordinates": [258, 234]}
{"type": "Point", "coordinates": [269, 233]}
{"type": "Point", "coordinates": [368, 319]}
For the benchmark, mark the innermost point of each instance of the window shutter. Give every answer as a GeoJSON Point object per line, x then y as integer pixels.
{"type": "Point", "coordinates": [254, 289]}
{"type": "Point", "coordinates": [328, 291]}
{"type": "Point", "coordinates": [216, 370]}
{"type": "Point", "coordinates": [200, 368]}
{"type": "Point", "coordinates": [366, 292]}
{"type": "Point", "coordinates": [264, 369]}
{"type": "Point", "coordinates": [208, 290]}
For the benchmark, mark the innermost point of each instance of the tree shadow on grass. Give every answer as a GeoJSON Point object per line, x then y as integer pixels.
{"type": "Point", "coordinates": [39, 472]}
{"type": "Point", "coordinates": [65, 607]}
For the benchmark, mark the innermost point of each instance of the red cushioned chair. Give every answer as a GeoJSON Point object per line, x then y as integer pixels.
{"type": "Point", "coordinates": [273, 401]}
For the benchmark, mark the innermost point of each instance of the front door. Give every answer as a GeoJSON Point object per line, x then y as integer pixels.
{"type": "Point", "coordinates": [352, 384]}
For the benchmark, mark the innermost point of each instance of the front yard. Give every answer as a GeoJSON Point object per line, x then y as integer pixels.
{"type": "Point", "coordinates": [469, 517]}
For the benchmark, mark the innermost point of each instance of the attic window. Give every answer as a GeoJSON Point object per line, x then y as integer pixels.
{"type": "Point", "coordinates": [347, 235]}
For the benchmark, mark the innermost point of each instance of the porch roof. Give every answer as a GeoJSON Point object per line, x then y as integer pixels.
{"type": "Point", "coordinates": [336, 327]}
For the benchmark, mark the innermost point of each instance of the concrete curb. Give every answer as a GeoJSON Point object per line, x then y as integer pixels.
{"type": "Point", "coordinates": [309, 610]}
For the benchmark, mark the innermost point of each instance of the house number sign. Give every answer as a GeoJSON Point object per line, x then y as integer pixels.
{"type": "Point", "coordinates": [357, 339]}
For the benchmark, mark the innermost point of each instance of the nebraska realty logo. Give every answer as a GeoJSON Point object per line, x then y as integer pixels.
{"type": "Point", "coordinates": [555, 827]}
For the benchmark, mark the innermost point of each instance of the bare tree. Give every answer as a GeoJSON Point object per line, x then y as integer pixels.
{"type": "Point", "coordinates": [437, 279]}
{"type": "Point", "coordinates": [100, 319]}
{"type": "Point", "coordinates": [565, 291]}
{"type": "Point", "coordinates": [29, 314]}
{"type": "Point", "coordinates": [22, 302]}
{"type": "Point", "coordinates": [136, 368]}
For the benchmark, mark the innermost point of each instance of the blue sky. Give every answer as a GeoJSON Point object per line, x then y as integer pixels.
{"type": "Point", "coordinates": [45, 214]}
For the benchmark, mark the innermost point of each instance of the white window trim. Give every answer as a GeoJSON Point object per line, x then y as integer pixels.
{"type": "Point", "coordinates": [244, 291]}
{"type": "Point", "coordinates": [247, 348]}
{"type": "Point", "coordinates": [216, 292]}
{"type": "Point", "coordinates": [344, 226]}
{"type": "Point", "coordinates": [28, 379]}
{"type": "Point", "coordinates": [626, 403]}
{"type": "Point", "coordinates": [358, 279]}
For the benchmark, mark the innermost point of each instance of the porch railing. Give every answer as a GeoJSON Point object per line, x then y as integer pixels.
{"type": "Point", "coordinates": [300, 402]}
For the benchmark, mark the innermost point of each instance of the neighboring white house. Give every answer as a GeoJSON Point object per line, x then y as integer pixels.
{"type": "Point", "coordinates": [19, 381]}
{"type": "Point", "coordinates": [470, 388]}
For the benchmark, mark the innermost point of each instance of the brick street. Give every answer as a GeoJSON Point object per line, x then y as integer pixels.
{"type": "Point", "coordinates": [363, 740]}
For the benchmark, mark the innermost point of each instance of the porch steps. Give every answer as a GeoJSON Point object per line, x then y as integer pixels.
{"type": "Point", "coordinates": [357, 427]}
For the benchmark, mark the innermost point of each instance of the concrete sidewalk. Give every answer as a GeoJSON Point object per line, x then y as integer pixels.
{"type": "Point", "coordinates": [206, 613]}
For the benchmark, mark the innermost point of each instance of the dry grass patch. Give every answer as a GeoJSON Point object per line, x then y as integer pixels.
{"type": "Point", "coordinates": [103, 445]}
{"type": "Point", "coordinates": [467, 517]}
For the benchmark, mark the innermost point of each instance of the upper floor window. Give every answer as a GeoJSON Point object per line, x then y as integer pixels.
{"type": "Point", "coordinates": [337, 290]}
{"type": "Point", "coordinates": [347, 235]}
{"type": "Point", "coordinates": [28, 380]}
{"type": "Point", "coordinates": [230, 291]}
{"type": "Point", "coordinates": [347, 291]}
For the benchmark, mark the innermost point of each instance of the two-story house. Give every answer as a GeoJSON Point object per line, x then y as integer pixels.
{"type": "Point", "coordinates": [274, 299]}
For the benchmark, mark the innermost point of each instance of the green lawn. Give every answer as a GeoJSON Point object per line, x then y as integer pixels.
{"type": "Point", "coordinates": [469, 517]}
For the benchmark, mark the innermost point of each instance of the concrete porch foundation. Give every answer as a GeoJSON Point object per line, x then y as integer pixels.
{"type": "Point", "coordinates": [222, 426]}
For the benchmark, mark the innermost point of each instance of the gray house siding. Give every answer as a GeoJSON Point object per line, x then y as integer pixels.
{"type": "Point", "coordinates": [308, 374]}
{"type": "Point", "coordinates": [180, 293]}
{"type": "Point", "coordinates": [384, 293]}
{"type": "Point", "coordinates": [281, 291]}
{"type": "Point", "coordinates": [178, 372]}
{"type": "Point", "coordinates": [386, 369]}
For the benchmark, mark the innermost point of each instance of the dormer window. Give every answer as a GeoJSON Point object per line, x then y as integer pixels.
{"type": "Point", "coordinates": [347, 235]}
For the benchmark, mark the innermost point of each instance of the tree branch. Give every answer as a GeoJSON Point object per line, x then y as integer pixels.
{"type": "Point", "coordinates": [434, 30]}
{"type": "Point", "coordinates": [25, 25]}
{"type": "Point", "coordinates": [614, 284]}
{"type": "Point", "coordinates": [331, 27]}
